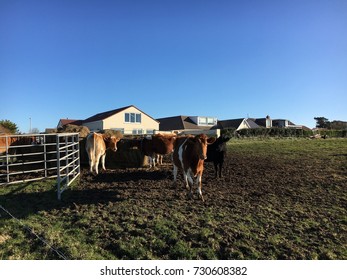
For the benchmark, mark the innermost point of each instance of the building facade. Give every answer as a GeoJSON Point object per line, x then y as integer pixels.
{"type": "Point", "coordinates": [129, 120]}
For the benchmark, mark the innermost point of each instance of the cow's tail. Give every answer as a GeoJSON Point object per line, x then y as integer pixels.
{"type": "Point", "coordinates": [94, 151]}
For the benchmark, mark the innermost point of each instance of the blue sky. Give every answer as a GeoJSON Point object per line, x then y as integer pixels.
{"type": "Point", "coordinates": [228, 59]}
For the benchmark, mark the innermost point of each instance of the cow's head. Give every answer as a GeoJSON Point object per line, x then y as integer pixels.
{"type": "Point", "coordinates": [111, 142]}
{"type": "Point", "coordinates": [202, 141]}
{"type": "Point", "coordinates": [220, 142]}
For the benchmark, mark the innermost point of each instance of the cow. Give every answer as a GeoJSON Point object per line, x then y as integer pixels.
{"type": "Point", "coordinates": [216, 153]}
{"type": "Point", "coordinates": [13, 144]}
{"type": "Point", "coordinates": [96, 146]}
{"type": "Point", "coordinates": [189, 155]}
{"type": "Point", "coordinates": [156, 146]}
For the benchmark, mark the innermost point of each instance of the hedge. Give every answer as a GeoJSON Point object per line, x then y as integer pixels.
{"type": "Point", "coordinates": [281, 132]}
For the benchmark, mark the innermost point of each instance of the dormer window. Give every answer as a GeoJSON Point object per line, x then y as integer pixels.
{"type": "Point", "coordinates": [132, 118]}
{"type": "Point", "coordinates": [205, 121]}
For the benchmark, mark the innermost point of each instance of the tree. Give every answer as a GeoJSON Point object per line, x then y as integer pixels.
{"type": "Point", "coordinates": [11, 126]}
{"type": "Point", "coordinates": [340, 125]}
{"type": "Point", "coordinates": [322, 122]}
{"type": "Point", "coordinates": [34, 131]}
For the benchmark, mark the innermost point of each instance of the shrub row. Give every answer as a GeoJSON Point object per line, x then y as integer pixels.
{"type": "Point", "coordinates": [281, 132]}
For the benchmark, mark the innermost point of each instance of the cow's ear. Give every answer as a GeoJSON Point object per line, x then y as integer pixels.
{"type": "Point", "coordinates": [211, 140]}
{"type": "Point", "coordinates": [107, 139]}
{"type": "Point", "coordinates": [197, 138]}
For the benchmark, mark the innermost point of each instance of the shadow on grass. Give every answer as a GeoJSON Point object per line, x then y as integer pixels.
{"type": "Point", "coordinates": [22, 205]}
{"type": "Point", "coordinates": [103, 188]}
{"type": "Point", "coordinates": [129, 175]}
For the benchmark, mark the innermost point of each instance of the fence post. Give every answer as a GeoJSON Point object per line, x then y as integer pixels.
{"type": "Point", "coordinates": [7, 163]}
{"type": "Point", "coordinates": [58, 167]}
{"type": "Point", "coordinates": [45, 154]}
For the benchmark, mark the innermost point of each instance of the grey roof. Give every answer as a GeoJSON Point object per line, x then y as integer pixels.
{"type": "Point", "coordinates": [105, 115]}
{"type": "Point", "coordinates": [179, 123]}
{"type": "Point", "coordinates": [235, 123]}
{"type": "Point", "coordinates": [252, 124]}
{"type": "Point", "coordinates": [228, 124]}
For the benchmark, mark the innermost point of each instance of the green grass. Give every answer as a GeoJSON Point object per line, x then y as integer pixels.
{"type": "Point", "coordinates": [279, 199]}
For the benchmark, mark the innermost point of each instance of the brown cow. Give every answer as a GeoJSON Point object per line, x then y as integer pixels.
{"type": "Point", "coordinates": [96, 145]}
{"type": "Point", "coordinates": [159, 144]}
{"type": "Point", "coordinates": [189, 155]}
{"type": "Point", "coordinates": [14, 141]}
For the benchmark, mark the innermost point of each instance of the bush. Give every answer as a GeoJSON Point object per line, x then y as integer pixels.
{"type": "Point", "coordinates": [333, 133]}
{"type": "Point", "coordinates": [268, 132]}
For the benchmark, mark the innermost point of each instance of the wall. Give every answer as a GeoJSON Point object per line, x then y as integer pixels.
{"type": "Point", "coordinates": [243, 125]}
{"type": "Point", "coordinates": [117, 121]}
{"type": "Point", "coordinates": [94, 126]}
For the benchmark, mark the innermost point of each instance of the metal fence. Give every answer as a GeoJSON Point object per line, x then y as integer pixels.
{"type": "Point", "coordinates": [32, 157]}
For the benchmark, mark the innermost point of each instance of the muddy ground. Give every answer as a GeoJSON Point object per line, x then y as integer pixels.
{"type": "Point", "coordinates": [276, 200]}
{"type": "Point", "coordinates": [263, 207]}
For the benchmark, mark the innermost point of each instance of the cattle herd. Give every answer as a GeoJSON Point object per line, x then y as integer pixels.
{"type": "Point", "coordinates": [188, 153]}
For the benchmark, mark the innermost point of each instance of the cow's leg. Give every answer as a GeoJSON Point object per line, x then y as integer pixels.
{"type": "Point", "coordinates": [154, 156]}
{"type": "Point", "coordinates": [175, 169]}
{"type": "Point", "coordinates": [103, 158]}
{"type": "Point", "coordinates": [160, 159]}
{"type": "Point", "coordinates": [91, 162]}
{"type": "Point", "coordinates": [189, 182]}
{"type": "Point", "coordinates": [220, 169]}
{"type": "Point", "coordinates": [157, 158]}
{"type": "Point", "coordinates": [198, 183]}
{"type": "Point", "coordinates": [97, 160]}
{"type": "Point", "coordinates": [185, 175]}
{"type": "Point", "coordinates": [215, 169]}
{"type": "Point", "coordinates": [151, 161]}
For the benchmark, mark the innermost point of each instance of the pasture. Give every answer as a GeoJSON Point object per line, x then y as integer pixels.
{"type": "Point", "coordinates": [278, 199]}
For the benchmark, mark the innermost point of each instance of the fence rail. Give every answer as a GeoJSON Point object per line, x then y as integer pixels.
{"type": "Point", "coordinates": [32, 157]}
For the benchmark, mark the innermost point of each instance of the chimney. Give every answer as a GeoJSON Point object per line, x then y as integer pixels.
{"type": "Point", "coordinates": [268, 122]}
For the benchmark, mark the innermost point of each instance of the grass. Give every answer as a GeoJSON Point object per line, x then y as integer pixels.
{"type": "Point", "coordinates": [279, 199]}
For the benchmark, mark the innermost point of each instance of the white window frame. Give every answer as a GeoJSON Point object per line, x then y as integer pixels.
{"type": "Point", "coordinates": [132, 118]}
{"type": "Point", "coordinates": [202, 121]}
{"type": "Point", "coordinates": [137, 131]}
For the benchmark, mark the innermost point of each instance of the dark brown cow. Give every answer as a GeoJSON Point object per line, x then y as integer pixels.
{"type": "Point", "coordinates": [189, 155]}
{"type": "Point", "coordinates": [96, 145]}
{"type": "Point", "coordinates": [158, 144]}
{"type": "Point", "coordinates": [216, 154]}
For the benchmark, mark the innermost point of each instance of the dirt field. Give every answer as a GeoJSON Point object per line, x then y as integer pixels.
{"type": "Point", "coordinates": [273, 202]}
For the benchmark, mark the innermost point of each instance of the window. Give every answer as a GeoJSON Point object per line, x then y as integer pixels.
{"type": "Point", "coordinates": [137, 131]}
{"type": "Point", "coordinates": [207, 121]}
{"type": "Point", "coordinates": [211, 121]}
{"type": "Point", "coordinates": [119, 129]}
{"type": "Point", "coordinates": [202, 121]}
{"type": "Point", "coordinates": [132, 118]}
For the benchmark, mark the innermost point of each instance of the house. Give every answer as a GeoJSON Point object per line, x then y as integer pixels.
{"type": "Point", "coordinates": [128, 120]}
{"type": "Point", "coordinates": [247, 123]}
{"type": "Point", "coordinates": [187, 124]}
{"type": "Point", "coordinates": [237, 124]}
{"type": "Point", "coordinates": [63, 122]}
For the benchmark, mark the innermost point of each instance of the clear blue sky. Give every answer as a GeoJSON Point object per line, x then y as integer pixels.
{"type": "Point", "coordinates": [228, 59]}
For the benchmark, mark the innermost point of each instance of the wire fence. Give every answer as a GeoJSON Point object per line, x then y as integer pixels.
{"type": "Point", "coordinates": [33, 233]}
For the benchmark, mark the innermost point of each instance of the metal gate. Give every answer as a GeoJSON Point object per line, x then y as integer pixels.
{"type": "Point", "coordinates": [32, 157]}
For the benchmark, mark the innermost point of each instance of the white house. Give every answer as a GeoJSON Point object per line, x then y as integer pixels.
{"type": "Point", "coordinates": [128, 120]}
